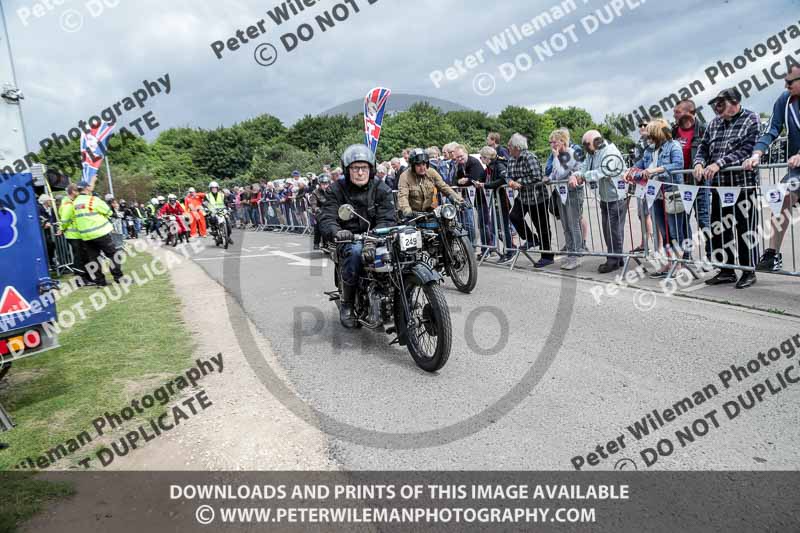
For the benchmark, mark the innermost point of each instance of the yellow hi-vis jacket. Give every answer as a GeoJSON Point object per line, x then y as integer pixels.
{"type": "Point", "coordinates": [215, 201]}
{"type": "Point", "coordinates": [91, 217]}
{"type": "Point", "coordinates": [66, 213]}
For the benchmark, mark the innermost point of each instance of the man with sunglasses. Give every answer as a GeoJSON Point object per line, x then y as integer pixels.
{"type": "Point", "coordinates": [785, 114]}
{"type": "Point", "coordinates": [373, 201]}
{"type": "Point", "coordinates": [728, 141]}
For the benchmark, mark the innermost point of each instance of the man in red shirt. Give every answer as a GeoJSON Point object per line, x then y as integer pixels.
{"type": "Point", "coordinates": [688, 131]}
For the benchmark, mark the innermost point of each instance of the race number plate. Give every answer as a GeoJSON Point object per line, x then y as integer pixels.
{"type": "Point", "coordinates": [410, 241]}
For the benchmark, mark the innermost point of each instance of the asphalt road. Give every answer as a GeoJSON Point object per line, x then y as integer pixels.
{"type": "Point", "coordinates": [539, 371]}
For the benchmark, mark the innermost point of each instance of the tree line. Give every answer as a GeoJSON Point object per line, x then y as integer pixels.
{"type": "Point", "coordinates": [264, 148]}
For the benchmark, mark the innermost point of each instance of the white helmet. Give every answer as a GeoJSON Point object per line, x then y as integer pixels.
{"type": "Point", "coordinates": [213, 184]}
{"type": "Point", "coordinates": [172, 197]}
{"type": "Point", "coordinates": [109, 197]}
{"type": "Point", "coordinates": [154, 201]}
{"type": "Point", "coordinates": [191, 189]}
{"type": "Point", "coordinates": [162, 199]}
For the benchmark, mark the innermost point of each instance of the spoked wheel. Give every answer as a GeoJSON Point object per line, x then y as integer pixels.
{"type": "Point", "coordinates": [428, 326]}
{"type": "Point", "coordinates": [223, 231]}
{"type": "Point", "coordinates": [462, 266]}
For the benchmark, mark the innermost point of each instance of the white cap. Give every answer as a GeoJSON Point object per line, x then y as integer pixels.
{"type": "Point", "coordinates": [43, 198]}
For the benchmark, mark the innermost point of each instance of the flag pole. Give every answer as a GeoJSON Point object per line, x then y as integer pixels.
{"type": "Point", "coordinates": [108, 171]}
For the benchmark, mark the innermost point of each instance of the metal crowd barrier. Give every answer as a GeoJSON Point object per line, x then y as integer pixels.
{"type": "Point", "coordinates": [692, 241]}
{"type": "Point", "coordinates": [743, 220]}
{"type": "Point", "coordinates": [293, 216]}
{"type": "Point", "coordinates": [696, 239]}
{"type": "Point", "coordinates": [63, 259]}
{"type": "Point", "coordinates": [539, 228]}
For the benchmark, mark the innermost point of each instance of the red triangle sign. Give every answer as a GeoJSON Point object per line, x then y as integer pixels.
{"type": "Point", "coordinates": [12, 302]}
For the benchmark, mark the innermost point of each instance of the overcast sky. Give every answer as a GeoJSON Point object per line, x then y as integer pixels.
{"type": "Point", "coordinates": [637, 59]}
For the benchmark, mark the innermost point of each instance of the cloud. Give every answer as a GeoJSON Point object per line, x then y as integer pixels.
{"type": "Point", "coordinates": [638, 59]}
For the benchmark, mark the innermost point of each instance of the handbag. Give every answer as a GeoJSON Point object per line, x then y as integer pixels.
{"type": "Point", "coordinates": [673, 204]}
{"type": "Point", "coordinates": [555, 204]}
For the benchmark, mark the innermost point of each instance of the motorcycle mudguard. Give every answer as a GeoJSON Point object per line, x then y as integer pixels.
{"type": "Point", "coordinates": [425, 273]}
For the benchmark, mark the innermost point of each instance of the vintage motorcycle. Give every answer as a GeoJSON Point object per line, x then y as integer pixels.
{"type": "Point", "coordinates": [401, 292]}
{"type": "Point", "coordinates": [174, 231]}
{"type": "Point", "coordinates": [446, 247]}
{"type": "Point", "coordinates": [131, 226]}
{"type": "Point", "coordinates": [220, 227]}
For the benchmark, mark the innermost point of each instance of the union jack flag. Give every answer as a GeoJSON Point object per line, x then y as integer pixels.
{"type": "Point", "coordinates": [374, 107]}
{"type": "Point", "coordinates": [94, 146]}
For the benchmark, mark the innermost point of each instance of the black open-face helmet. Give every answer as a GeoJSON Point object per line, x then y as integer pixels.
{"type": "Point", "coordinates": [358, 153]}
{"type": "Point", "coordinates": [418, 155]}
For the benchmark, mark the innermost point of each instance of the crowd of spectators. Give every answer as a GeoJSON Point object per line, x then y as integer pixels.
{"type": "Point", "coordinates": [512, 202]}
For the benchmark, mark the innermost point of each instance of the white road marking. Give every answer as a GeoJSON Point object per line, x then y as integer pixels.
{"type": "Point", "coordinates": [296, 259]}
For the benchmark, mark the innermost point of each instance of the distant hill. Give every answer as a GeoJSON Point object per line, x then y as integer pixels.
{"type": "Point", "coordinates": [397, 102]}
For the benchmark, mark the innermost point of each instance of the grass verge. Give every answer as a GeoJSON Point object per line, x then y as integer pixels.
{"type": "Point", "coordinates": [24, 496]}
{"type": "Point", "coordinates": [129, 347]}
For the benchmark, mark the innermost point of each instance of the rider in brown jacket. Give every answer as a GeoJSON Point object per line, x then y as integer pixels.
{"type": "Point", "coordinates": [418, 184]}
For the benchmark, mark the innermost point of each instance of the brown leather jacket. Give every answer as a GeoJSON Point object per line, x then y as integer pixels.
{"type": "Point", "coordinates": [415, 194]}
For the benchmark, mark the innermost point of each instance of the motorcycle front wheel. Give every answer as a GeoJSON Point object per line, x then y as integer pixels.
{"type": "Point", "coordinates": [462, 266]}
{"type": "Point", "coordinates": [428, 329]}
{"type": "Point", "coordinates": [223, 231]}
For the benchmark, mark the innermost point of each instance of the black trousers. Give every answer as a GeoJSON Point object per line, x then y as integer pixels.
{"type": "Point", "coordinates": [79, 258]}
{"type": "Point", "coordinates": [736, 221]}
{"type": "Point", "coordinates": [104, 245]}
{"type": "Point", "coordinates": [317, 234]}
{"type": "Point", "coordinates": [538, 214]}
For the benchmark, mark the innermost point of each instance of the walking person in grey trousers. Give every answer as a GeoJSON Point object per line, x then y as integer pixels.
{"type": "Point", "coordinates": [604, 165]}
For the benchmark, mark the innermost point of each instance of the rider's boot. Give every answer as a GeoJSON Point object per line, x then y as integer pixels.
{"type": "Point", "coordinates": [346, 315]}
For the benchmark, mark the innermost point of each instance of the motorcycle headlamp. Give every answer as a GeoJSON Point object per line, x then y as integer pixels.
{"type": "Point", "coordinates": [449, 212]}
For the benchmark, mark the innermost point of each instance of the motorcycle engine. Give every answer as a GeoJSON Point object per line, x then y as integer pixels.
{"type": "Point", "coordinates": [379, 306]}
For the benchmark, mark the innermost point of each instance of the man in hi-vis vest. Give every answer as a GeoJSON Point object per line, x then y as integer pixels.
{"type": "Point", "coordinates": [91, 221]}
{"type": "Point", "coordinates": [66, 213]}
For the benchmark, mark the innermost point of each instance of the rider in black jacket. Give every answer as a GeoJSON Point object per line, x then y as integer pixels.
{"type": "Point", "coordinates": [371, 199]}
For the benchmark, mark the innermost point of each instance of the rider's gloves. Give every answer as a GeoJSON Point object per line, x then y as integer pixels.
{"type": "Point", "coordinates": [368, 253]}
{"type": "Point", "coordinates": [344, 235]}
